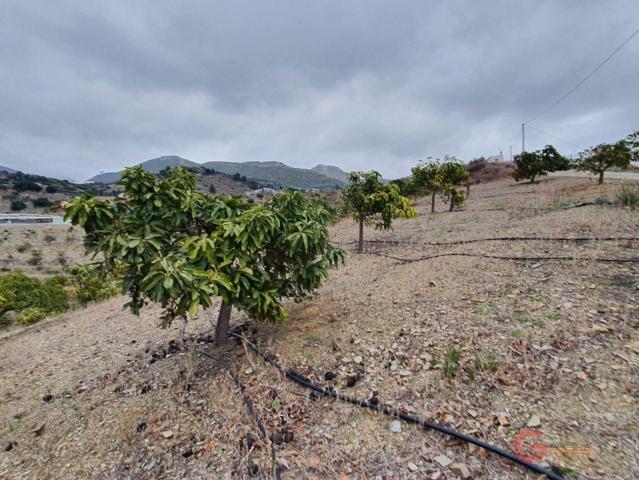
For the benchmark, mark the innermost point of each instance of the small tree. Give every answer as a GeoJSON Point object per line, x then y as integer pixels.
{"type": "Point", "coordinates": [452, 173]}
{"type": "Point", "coordinates": [374, 202]}
{"type": "Point", "coordinates": [600, 158]}
{"type": "Point", "coordinates": [428, 180]}
{"type": "Point", "coordinates": [173, 245]}
{"type": "Point", "coordinates": [539, 163]}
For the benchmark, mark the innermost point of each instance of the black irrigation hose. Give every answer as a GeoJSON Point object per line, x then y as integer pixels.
{"type": "Point", "coordinates": [305, 382]}
{"type": "Point", "coordinates": [501, 257]}
{"type": "Point", "coordinates": [249, 406]}
{"type": "Point", "coordinates": [502, 239]}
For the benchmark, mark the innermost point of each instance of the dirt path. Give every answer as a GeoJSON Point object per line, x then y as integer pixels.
{"type": "Point", "coordinates": [99, 393]}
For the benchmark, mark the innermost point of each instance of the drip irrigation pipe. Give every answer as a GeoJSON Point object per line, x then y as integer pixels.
{"type": "Point", "coordinates": [249, 406]}
{"type": "Point", "coordinates": [502, 239]}
{"type": "Point", "coordinates": [307, 383]}
{"type": "Point", "coordinates": [501, 257]}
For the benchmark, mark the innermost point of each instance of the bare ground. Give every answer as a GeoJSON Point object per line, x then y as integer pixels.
{"type": "Point", "coordinates": [99, 393]}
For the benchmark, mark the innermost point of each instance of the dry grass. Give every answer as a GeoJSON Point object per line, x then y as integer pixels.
{"type": "Point", "coordinates": [557, 340]}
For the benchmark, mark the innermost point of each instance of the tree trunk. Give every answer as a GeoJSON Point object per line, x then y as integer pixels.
{"type": "Point", "coordinates": [223, 320]}
{"type": "Point", "coordinates": [532, 179]}
{"type": "Point", "coordinates": [601, 174]}
{"type": "Point", "coordinates": [452, 201]}
{"type": "Point", "coordinates": [360, 247]}
{"type": "Point", "coordinates": [467, 191]}
{"type": "Point", "coordinates": [432, 203]}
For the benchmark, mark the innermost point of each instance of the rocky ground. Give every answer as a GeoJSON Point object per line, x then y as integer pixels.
{"type": "Point", "coordinates": [488, 347]}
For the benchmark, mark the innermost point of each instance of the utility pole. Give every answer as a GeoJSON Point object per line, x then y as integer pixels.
{"type": "Point", "coordinates": [523, 137]}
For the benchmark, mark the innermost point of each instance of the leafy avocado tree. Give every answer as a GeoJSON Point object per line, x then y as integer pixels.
{"type": "Point", "coordinates": [175, 246]}
{"type": "Point", "coordinates": [539, 163]}
{"type": "Point", "coordinates": [600, 158]}
{"type": "Point", "coordinates": [373, 202]}
{"type": "Point", "coordinates": [428, 180]}
{"type": "Point", "coordinates": [453, 173]}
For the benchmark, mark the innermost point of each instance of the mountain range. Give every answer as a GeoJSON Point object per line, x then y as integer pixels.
{"type": "Point", "coordinates": [277, 173]}
{"type": "Point", "coordinates": [7, 169]}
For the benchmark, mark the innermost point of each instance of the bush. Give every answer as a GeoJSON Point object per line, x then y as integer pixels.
{"type": "Point", "coordinates": [51, 189]}
{"type": "Point", "coordinates": [35, 259]}
{"type": "Point", "coordinates": [23, 247]}
{"type": "Point", "coordinates": [48, 238]}
{"type": "Point", "coordinates": [41, 202]}
{"type": "Point", "coordinates": [89, 284]}
{"type": "Point", "coordinates": [31, 315]}
{"type": "Point", "coordinates": [18, 205]}
{"type": "Point", "coordinates": [211, 188]}
{"type": "Point", "coordinates": [628, 196]}
{"type": "Point", "coordinates": [26, 186]}
{"type": "Point", "coordinates": [31, 297]}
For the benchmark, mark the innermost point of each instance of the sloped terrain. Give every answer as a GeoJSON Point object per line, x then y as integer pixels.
{"type": "Point", "coordinates": [553, 346]}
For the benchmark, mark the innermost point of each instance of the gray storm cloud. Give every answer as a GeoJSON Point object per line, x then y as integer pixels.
{"type": "Point", "coordinates": [92, 86]}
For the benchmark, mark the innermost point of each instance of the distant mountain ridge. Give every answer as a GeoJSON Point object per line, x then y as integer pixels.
{"type": "Point", "coordinates": [7, 169]}
{"type": "Point", "coordinates": [331, 171]}
{"type": "Point", "coordinates": [276, 173]}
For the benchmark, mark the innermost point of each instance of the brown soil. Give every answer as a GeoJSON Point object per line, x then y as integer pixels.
{"type": "Point", "coordinates": [553, 340]}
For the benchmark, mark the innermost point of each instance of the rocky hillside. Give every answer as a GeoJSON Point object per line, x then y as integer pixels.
{"type": "Point", "coordinates": [277, 173]}
{"type": "Point", "coordinates": [331, 171]}
{"type": "Point", "coordinates": [155, 165]}
{"type": "Point", "coordinates": [274, 173]}
{"type": "Point", "coordinates": [7, 169]}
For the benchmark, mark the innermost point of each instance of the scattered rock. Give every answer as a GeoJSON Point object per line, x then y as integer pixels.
{"type": "Point", "coordinates": [443, 460]}
{"type": "Point", "coordinates": [395, 426]}
{"type": "Point", "coordinates": [167, 433]}
{"type": "Point", "coordinates": [9, 446]}
{"type": "Point", "coordinates": [534, 421]}
{"type": "Point", "coordinates": [502, 420]}
{"type": "Point", "coordinates": [328, 376]}
{"type": "Point", "coordinates": [582, 376]}
{"type": "Point", "coordinates": [461, 469]}
{"type": "Point", "coordinates": [412, 467]}
{"type": "Point", "coordinates": [39, 431]}
{"type": "Point", "coordinates": [149, 466]}
{"type": "Point", "coordinates": [141, 427]}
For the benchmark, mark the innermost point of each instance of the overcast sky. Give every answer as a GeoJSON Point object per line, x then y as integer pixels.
{"type": "Point", "coordinates": [95, 86]}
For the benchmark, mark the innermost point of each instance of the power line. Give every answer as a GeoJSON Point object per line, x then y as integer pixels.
{"type": "Point", "coordinates": [623, 44]}
{"type": "Point", "coordinates": [557, 138]}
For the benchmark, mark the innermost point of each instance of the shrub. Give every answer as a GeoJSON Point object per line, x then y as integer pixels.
{"type": "Point", "coordinates": [35, 259]}
{"type": "Point", "coordinates": [451, 361]}
{"type": "Point", "coordinates": [61, 259]}
{"type": "Point", "coordinates": [31, 315]}
{"type": "Point", "coordinates": [23, 247]}
{"type": "Point", "coordinates": [41, 202]}
{"type": "Point", "coordinates": [51, 189]}
{"type": "Point", "coordinates": [602, 200]}
{"type": "Point", "coordinates": [628, 196]}
{"type": "Point", "coordinates": [19, 292]}
{"type": "Point", "coordinates": [89, 284]}
{"type": "Point", "coordinates": [48, 238]}
{"type": "Point", "coordinates": [18, 205]}
{"type": "Point", "coordinates": [26, 186]}
{"type": "Point", "coordinates": [211, 188]}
